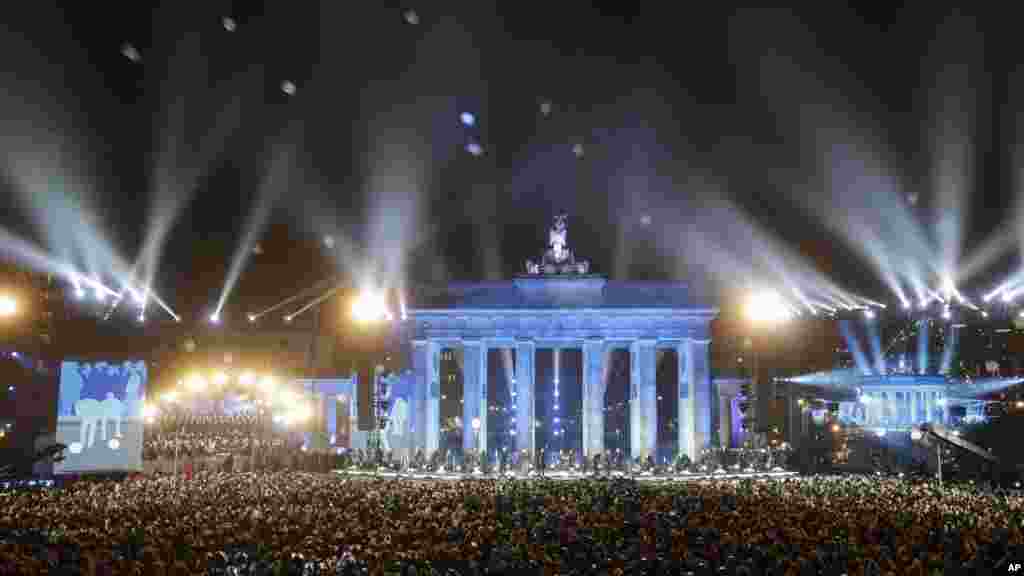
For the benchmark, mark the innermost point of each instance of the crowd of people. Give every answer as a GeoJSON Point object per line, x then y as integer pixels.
{"type": "Point", "coordinates": [303, 523]}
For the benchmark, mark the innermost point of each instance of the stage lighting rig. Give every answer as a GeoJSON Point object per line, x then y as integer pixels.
{"type": "Point", "coordinates": [215, 318]}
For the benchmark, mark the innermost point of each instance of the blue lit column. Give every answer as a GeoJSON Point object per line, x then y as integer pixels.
{"type": "Point", "coordinates": [643, 410]}
{"type": "Point", "coordinates": [684, 425]}
{"type": "Point", "coordinates": [474, 395]}
{"type": "Point", "coordinates": [421, 383]}
{"type": "Point", "coordinates": [594, 386]}
{"type": "Point", "coordinates": [426, 362]}
{"type": "Point", "coordinates": [700, 385]}
{"type": "Point", "coordinates": [526, 352]}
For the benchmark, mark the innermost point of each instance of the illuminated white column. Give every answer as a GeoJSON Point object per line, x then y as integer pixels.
{"type": "Point", "coordinates": [643, 408]}
{"type": "Point", "coordinates": [526, 352]}
{"type": "Point", "coordinates": [426, 360]}
{"type": "Point", "coordinates": [700, 374]}
{"type": "Point", "coordinates": [594, 388]}
{"type": "Point", "coordinates": [474, 395]}
{"type": "Point", "coordinates": [685, 423]}
{"type": "Point", "coordinates": [908, 405]}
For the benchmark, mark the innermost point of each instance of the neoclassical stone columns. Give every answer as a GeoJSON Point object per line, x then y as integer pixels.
{"type": "Point", "coordinates": [700, 387]}
{"type": "Point", "coordinates": [594, 388]}
{"type": "Point", "coordinates": [426, 360]}
{"type": "Point", "coordinates": [643, 422]}
{"type": "Point", "coordinates": [685, 424]}
{"type": "Point", "coordinates": [474, 395]}
{"type": "Point", "coordinates": [526, 354]}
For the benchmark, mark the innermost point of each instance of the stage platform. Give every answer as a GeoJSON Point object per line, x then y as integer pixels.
{"type": "Point", "coordinates": [567, 476]}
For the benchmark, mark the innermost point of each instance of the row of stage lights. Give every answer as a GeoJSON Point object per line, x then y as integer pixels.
{"type": "Point", "coordinates": [266, 385]}
{"type": "Point", "coordinates": [772, 308]}
{"type": "Point", "coordinates": [101, 293]}
{"type": "Point", "coordinates": [369, 306]}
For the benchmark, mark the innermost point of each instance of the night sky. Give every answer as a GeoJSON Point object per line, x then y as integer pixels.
{"type": "Point", "coordinates": [636, 124]}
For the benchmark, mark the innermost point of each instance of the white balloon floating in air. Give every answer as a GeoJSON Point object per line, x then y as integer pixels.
{"type": "Point", "coordinates": [645, 220]}
{"type": "Point", "coordinates": [467, 119]}
{"type": "Point", "coordinates": [130, 52]}
{"type": "Point", "coordinates": [545, 107]}
{"type": "Point", "coordinates": [577, 149]}
{"type": "Point", "coordinates": [288, 87]}
{"type": "Point", "coordinates": [474, 149]}
{"type": "Point", "coordinates": [229, 23]}
{"type": "Point", "coordinates": [411, 17]}
{"type": "Point", "coordinates": [329, 241]}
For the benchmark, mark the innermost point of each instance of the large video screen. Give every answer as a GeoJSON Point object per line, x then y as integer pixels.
{"type": "Point", "coordinates": [99, 416]}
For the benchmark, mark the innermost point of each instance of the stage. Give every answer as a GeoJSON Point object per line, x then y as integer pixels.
{"type": "Point", "coordinates": [568, 476]}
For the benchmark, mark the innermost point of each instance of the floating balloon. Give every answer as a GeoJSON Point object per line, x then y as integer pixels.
{"type": "Point", "coordinates": [411, 17]}
{"type": "Point", "coordinates": [474, 149]}
{"type": "Point", "coordinates": [467, 119]}
{"type": "Point", "coordinates": [577, 149]}
{"type": "Point", "coordinates": [288, 87]}
{"type": "Point", "coordinates": [645, 220]}
{"type": "Point", "coordinates": [545, 107]}
{"type": "Point", "coordinates": [329, 241]}
{"type": "Point", "coordinates": [229, 23]}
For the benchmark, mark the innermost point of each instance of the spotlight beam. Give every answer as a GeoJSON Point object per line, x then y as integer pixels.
{"type": "Point", "coordinates": [298, 296]}
{"type": "Point", "coordinates": [315, 302]}
{"type": "Point", "coordinates": [273, 184]}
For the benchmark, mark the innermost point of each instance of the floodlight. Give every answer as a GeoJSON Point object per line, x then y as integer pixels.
{"type": "Point", "coordinates": [766, 307]}
{"type": "Point", "coordinates": [100, 294]}
{"type": "Point", "coordinates": [906, 304]}
{"type": "Point", "coordinates": [835, 427]}
{"type": "Point", "coordinates": [946, 314]}
{"type": "Point", "coordinates": [370, 306]}
{"type": "Point", "coordinates": [195, 383]}
{"type": "Point", "coordinates": [1006, 297]}
{"type": "Point", "coordinates": [467, 119]}
{"type": "Point", "coordinates": [915, 433]}
{"type": "Point", "coordinates": [880, 432]}
{"type": "Point", "coordinates": [252, 318]}
{"type": "Point", "coordinates": [215, 318]}
{"type": "Point", "coordinates": [141, 318]}
{"type": "Point", "coordinates": [287, 319]}
{"type": "Point", "coordinates": [8, 306]}
{"type": "Point", "coordinates": [79, 293]}
{"type": "Point", "coordinates": [869, 314]}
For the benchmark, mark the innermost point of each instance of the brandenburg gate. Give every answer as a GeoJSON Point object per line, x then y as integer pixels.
{"type": "Point", "coordinates": [559, 304]}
